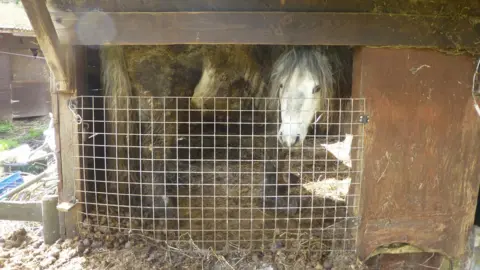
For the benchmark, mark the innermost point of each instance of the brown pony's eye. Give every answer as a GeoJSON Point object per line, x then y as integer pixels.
{"type": "Point", "coordinates": [281, 85]}
{"type": "Point", "coordinates": [316, 89]}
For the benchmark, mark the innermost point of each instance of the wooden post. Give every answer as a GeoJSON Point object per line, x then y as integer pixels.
{"type": "Point", "coordinates": [69, 140]}
{"type": "Point", "coordinates": [62, 62]}
{"type": "Point", "coordinates": [51, 226]}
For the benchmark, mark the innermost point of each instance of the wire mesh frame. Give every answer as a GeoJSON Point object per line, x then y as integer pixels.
{"type": "Point", "coordinates": [218, 177]}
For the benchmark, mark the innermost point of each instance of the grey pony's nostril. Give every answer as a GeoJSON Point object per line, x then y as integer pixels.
{"type": "Point", "coordinates": [297, 139]}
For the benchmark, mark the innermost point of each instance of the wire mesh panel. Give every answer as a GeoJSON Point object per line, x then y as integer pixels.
{"type": "Point", "coordinates": [221, 179]}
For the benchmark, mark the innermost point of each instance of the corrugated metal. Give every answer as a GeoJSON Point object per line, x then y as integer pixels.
{"type": "Point", "coordinates": [13, 17]}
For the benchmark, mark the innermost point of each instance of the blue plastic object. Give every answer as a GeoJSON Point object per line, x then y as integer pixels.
{"type": "Point", "coordinates": [10, 182]}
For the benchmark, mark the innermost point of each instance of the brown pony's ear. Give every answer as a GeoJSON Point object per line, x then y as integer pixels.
{"type": "Point", "coordinates": [293, 181]}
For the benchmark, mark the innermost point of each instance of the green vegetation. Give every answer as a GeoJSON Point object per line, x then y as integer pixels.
{"type": "Point", "coordinates": [8, 144]}
{"type": "Point", "coordinates": [6, 127]}
{"type": "Point", "coordinates": [11, 139]}
{"type": "Point", "coordinates": [34, 133]}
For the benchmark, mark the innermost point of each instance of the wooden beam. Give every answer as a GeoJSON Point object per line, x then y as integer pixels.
{"type": "Point", "coordinates": [211, 5]}
{"type": "Point", "coordinates": [296, 28]}
{"type": "Point", "coordinates": [471, 7]}
{"type": "Point", "coordinates": [41, 22]}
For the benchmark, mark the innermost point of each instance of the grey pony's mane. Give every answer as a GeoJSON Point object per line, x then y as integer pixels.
{"type": "Point", "coordinates": [321, 62]}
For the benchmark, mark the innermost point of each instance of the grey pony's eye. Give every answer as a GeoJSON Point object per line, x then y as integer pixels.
{"type": "Point", "coordinates": [316, 89]}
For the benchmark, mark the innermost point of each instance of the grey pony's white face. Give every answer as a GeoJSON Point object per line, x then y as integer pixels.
{"type": "Point", "coordinates": [299, 100]}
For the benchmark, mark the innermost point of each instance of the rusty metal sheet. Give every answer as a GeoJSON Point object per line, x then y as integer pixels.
{"type": "Point", "coordinates": [422, 149]}
{"type": "Point", "coordinates": [420, 261]}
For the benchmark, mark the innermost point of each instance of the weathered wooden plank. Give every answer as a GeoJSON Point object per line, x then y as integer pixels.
{"type": "Point", "coordinates": [21, 211]}
{"type": "Point", "coordinates": [26, 67]}
{"type": "Point", "coordinates": [210, 5]}
{"type": "Point", "coordinates": [295, 28]}
{"type": "Point", "coordinates": [398, 6]}
{"type": "Point", "coordinates": [5, 104]}
{"type": "Point", "coordinates": [421, 174]}
{"type": "Point", "coordinates": [39, 17]}
{"type": "Point", "coordinates": [5, 90]}
{"type": "Point", "coordinates": [30, 99]}
{"type": "Point", "coordinates": [9, 41]}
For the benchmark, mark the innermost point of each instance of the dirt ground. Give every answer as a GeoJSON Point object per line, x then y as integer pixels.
{"type": "Point", "coordinates": [22, 247]}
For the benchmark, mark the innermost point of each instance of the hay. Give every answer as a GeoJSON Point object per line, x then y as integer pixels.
{"type": "Point", "coordinates": [331, 188]}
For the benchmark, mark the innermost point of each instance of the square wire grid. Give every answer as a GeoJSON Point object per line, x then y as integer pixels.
{"type": "Point", "coordinates": [219, 178]}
